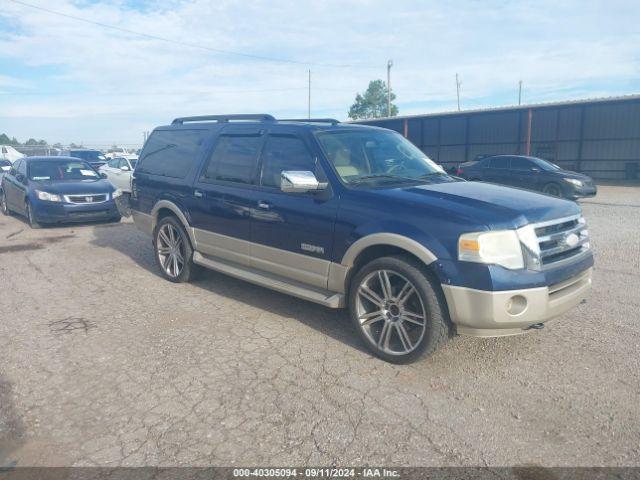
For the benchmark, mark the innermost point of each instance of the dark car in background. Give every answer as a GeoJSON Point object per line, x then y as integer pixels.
{"type": "Point", "coordinates": [531, 173]}
{"type": "Point", "coordinates": [94, 157]}
{"type": "Point", "coordinates": [57, 190]}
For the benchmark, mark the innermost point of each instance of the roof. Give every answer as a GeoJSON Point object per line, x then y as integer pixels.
{"type": "Point", "coordinates": [621, 98]}
{"type": "Point", "coordinates": [52, 157]}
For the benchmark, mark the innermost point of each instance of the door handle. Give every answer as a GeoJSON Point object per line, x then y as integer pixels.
{"type": "Point", "coordinates": [198, 194]}
{"type": "Point", "coordinates": [264, 205]}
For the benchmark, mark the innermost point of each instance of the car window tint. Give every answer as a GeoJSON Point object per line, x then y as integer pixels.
{"type": "Point", "coordinates": [521, 164]}
{"type": "Point", "coordinates": [284, 153]}
{"type": "Point", "coordinates": [234, 158]}
{"type": "Point", "coordinates": [499, 162]}
{"type": "Point", "coordinates": [113, 163]}
{"type": "Point", "coordinates": [171, 153]}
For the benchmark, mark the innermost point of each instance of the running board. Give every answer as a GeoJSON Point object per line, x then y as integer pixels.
{"type": "Point", "coordinates": [274, 282]}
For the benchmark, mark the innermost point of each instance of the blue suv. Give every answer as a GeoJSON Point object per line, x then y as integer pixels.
{"type": "Point", "coordinates": [356, 216]}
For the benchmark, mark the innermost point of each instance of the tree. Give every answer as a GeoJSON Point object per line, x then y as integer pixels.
{"type": "Point", "coordinates": [5, 140]}
{"type": "Point", "coordinates": [373, 103]}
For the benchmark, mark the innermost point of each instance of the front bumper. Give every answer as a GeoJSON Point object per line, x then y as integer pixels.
{"type": "Point", "coordinates": [586, 191]}
{"type": "Point", "coordinates": [53, 212]}
{"type": "Point", "coordinates": [484, 313]}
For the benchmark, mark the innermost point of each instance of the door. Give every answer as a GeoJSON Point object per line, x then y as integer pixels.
{"type": "Point", "coordinates": [16, 187]}
{"type": "Point", "coordinates": [223, 194]}
{"type": "Point", "coordinates": [119, 177]}
{"type": "Point", "coordinates": [524, 173]}
{"type": "Point", "coordinates": [497, 171]}
{"type": "Point", "coordinates": [292, 233]}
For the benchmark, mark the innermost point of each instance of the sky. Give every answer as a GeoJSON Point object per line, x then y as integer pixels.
{"type": "Point", "coordinates": [142, 63]}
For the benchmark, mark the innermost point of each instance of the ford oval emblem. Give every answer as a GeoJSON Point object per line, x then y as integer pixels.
{"type": "Point", "coordinates": [572, 240]}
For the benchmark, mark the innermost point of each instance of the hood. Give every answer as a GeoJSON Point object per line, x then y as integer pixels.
{"type": "Point", "coordinates": [482, 203]}
{"type": "Point", "coordinates": [74, 187]}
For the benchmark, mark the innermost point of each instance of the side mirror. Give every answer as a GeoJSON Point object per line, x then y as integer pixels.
{"type": "Point", "coordinates": [300, 182]}
{"type": "Point", "coordinates": [125, 168]}
{"type": "Point", "coordinates": [103, 175]}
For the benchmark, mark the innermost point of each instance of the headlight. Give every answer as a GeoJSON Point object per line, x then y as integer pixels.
{"type": "Point", "coordinates": [500, 247]}
{"type": "Point", "coordinates": [49, 197]}
{"type": "Point", "coordinates": [573, 181]}
{"type": "Point", "coordinates": [116, 193]}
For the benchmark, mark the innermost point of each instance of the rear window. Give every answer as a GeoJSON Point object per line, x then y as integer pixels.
{"type": "Point", "coordinates": [171, 153]}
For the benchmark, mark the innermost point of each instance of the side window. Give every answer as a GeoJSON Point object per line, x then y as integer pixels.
{"type": "Point", "coordinates": [113, 163]}
{"type": "Point", "coordinates": [284, 153]}
{"type": "Point", "coordinates": [171, 153]}
{"type": "Point", "coordinates": [122, 162]}
{"type": "Point", "coordinates": [14, 167]}
{"type": "Point", "coordinates": [499, 162]}
{"type": "Point", "coordinates": [521, 164]}
{"type": "Point", "coordinates": [234, 158]}
{"type": "Point", "coordinates": [22, 168]}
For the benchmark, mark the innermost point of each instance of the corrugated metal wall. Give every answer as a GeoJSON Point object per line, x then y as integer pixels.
{"type": "Point", "coordinates": [601, 139]}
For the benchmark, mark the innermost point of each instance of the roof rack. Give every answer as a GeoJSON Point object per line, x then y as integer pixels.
{"type": "Point", "coordinates": [260, 117]}
{"type": "Point", "coordinates": [332, 121]}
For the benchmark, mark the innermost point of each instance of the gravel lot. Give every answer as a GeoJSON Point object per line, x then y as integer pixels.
{"type": "Point", "coordinates": [105, 363]}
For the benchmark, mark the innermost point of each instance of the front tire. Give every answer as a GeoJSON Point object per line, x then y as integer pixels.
{"type": "Point", "coordinates": [398, 309]}
{"type": "Point", "coordinates": [3, 204]}
{"type": "Point", "coordinates": [173, 251]}
{"type": "Point", "coordinates": [30, 217]}
{"type": "Point", "coordinates": [552, 189]}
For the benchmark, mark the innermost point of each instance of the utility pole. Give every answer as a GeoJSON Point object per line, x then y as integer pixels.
{"type": "Point", "coordinates": [309, 106]}
{"type": "Point", "coordinates": [520, 92]}
{"type": "Point", "coordinates": [458, 83]}
{"type": "Point", "coordinates": [389, 65]}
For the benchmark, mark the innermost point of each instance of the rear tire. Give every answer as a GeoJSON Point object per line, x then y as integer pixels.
{"type": "Point", "coordinates": [30, 218]}
{"type": "Point", "coordinates": [115, 219]}
{"type": "Point", "coordinates": [398, 310]}
{"type": "Point", "coordinates": [173, 251]}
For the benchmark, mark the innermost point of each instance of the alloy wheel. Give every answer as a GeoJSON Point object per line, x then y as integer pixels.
{"type": "Point", "coordinates": [170, 250]}
{"type": "Point", "coordinates": [390, 312]}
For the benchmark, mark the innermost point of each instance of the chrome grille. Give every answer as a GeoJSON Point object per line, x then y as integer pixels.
{"type": "Point", "coordinates": [561, 239]}
{"type": "Point", "coordinates": [87, 199]}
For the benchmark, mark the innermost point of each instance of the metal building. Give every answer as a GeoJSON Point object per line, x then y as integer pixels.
{"type": "Point", "coordinates": [599, 137]}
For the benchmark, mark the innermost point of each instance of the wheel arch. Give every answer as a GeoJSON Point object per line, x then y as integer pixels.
{"type": "Point", "coordinates": [375, 246]}
{"type": "Point", "coordinates": [165, 208]}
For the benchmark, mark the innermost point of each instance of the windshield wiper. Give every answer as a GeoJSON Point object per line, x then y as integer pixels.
{"type": "Point", "coordinates": [427, 175]}
{"type": "Point", "coordinates": [364, 178]}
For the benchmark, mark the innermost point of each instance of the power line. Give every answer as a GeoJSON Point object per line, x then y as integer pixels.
{"type": "Point", "coordinates": [188, 44]}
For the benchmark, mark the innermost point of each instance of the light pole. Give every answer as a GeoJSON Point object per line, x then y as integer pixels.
{"type": "Point", "coordinates": [458, 83]}
{"type": "Point", "coordinates": [389, 65]}
{"type": "Point", "coordinates": [520, 92]}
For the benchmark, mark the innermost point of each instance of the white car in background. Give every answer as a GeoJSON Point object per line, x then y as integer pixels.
{"type": "Point", "coordinates": [119, 171]}
{"type": "Point", "coordinates": [5, 166]}
{"type": "Point", "coordinates": [7, 152]}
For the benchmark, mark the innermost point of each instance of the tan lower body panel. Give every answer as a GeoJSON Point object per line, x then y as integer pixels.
{"type": "Point", "coordinates": [489, 314]}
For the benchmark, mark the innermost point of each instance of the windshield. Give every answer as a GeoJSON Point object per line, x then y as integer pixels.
{"type": "Point", "coordinates": [375, 156]}
{"type": "Point", "coordinates": [61, 170]}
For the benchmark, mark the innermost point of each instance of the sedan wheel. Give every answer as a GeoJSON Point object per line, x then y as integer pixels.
{"type": "Point", "coordinates": [391, 313]}
{"type": "Point", "coordinates": [171, 250]}
{"type": "Point", "coordinates": [553, 190]}
{"type": "Point", "coordinates": [3, 203]}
